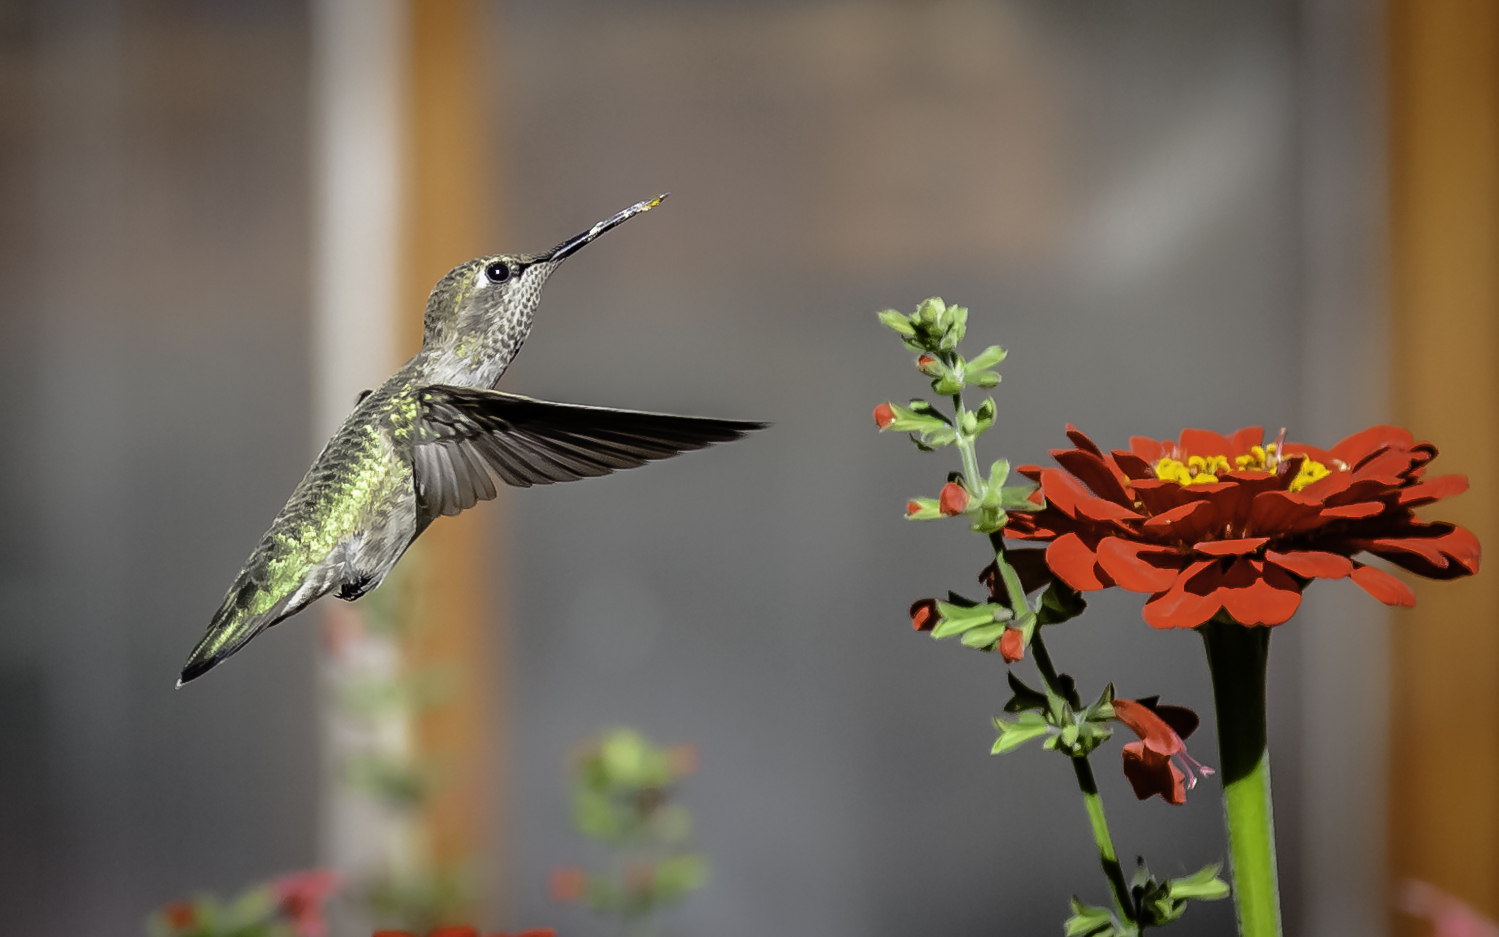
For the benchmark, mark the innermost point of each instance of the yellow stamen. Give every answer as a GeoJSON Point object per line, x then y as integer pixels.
{"type": "Point", "coordinates": [1206, 470]}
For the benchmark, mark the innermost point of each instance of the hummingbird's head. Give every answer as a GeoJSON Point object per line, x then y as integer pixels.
{"type": "Point", "coordinates": [481, 310]}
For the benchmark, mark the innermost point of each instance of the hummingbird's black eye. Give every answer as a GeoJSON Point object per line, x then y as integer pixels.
{"type": "Point", "coordinates": [498, 271]}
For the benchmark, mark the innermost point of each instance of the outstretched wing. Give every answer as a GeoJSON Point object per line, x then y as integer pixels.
{"type": "Point", "coordinates": [469, 438]}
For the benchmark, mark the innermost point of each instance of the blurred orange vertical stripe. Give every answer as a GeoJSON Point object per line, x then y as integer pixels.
{"type": "Point", "coordinates": [1444, 196]}
{"type": "Point", "coordinates": [450, 187]}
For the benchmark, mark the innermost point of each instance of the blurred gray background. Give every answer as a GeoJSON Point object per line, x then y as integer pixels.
{"type": "Point", "coordinates": [1167, 211]}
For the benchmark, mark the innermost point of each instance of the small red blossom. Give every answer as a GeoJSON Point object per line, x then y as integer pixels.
{"type": "Point", "coordinates": [1012, 645]}
{"type": "Point", "coordinates": [1211, 524]}
{"type": "Point", "coordinates": [925, 364]}
{"type": "Point", "coordinates": [300, 897]}
{"type": "Point", "coordinates": [953, 500]}
{"type": "Point", "coordinates": [180, 915]}
{"type": "Point", "coordinates": [924, 615]}
{"type": "Point", "coordinates": [1151, 763]}
{"type": "Point", "coordinates": [568, 884]}
{"type": "Point", "coordinates": [912, 507]}
{"type": "Point", "coordinates": [883, 415]}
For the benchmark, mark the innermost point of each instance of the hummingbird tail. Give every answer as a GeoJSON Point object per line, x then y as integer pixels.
{"type": "Point", "coordinates": [248, 610]}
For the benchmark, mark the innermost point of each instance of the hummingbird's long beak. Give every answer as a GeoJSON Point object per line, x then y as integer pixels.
{"type": "Point", "coordinates": [570, 246]}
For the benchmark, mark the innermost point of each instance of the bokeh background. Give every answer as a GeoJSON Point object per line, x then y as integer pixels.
{"type": "Point", "coordinates": [1172, 213]}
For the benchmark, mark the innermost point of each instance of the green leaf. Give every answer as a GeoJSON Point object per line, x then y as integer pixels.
{"type": "Point", "coordinates": [1000, 470]}
{"type": "Point", "coordinates": [1014, 734]}
{"type": "Point", "coordinates": [983, 636]}
{"type": "Point", "coordinates": [1025, 698]}
{"type": "Point", "coordinates": [987, 358]}
{"type": "Point", "coordinates": [1018, 498]}
{"type": "Point", "coordinates": [947, 385]}
{"type": "Point", "coordinates": [1088, 920]}
{"type": "Point", "coordinates": [1203, 885]}
{"type": "Point", "coordinates": [983, 379]}
{"type": "Point", "coordinates": [955, 619]}
{"type": "Point", "coordinates": [930, 310]}
{"type": "Point", "coordinates": [1060, 602]}
{"type": "Point", "coordinates": [898, 321]}
{"type": "Point", "coordinates": [984, 416]}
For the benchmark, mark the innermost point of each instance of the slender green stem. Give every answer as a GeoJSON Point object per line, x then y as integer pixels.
{"type": "Point", "coordinates": [1086, 783]}
{"type": "Point", "coordinates": [1237, 656]}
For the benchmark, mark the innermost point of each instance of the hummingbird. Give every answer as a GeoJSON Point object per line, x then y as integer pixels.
{"type": "Point", "coordinates": [435, 439]}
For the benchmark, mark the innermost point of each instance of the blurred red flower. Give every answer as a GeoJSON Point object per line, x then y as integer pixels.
{"type": "Point", "coordinates": [1151, 763]}
{"type": "Point", "coordinates": [1210, 523]}
{"type": "Point", "coordinates": [180, 915]}
{"type": "Point", "coordinates": [300, 897]}
{"type": "Point", "coordinates": [568, 884]}
{"type": "Point", "coordinates": [466, 931]}
{"type": "Point", "coordinates": [883, 415]}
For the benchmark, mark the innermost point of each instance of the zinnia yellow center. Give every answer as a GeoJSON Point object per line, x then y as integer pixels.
{"type": "Point", "coordinates": [1205, 470]}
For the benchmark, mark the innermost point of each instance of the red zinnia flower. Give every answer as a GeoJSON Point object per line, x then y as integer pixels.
{"type": "Point", "coordinates": [1150, 764]}
{"type": "Point", "coordinates": [883, 415]}
{"type": "Point", "coordinates": [1212, 523]}
{"type": "Point", "coordinates": [300, 896]}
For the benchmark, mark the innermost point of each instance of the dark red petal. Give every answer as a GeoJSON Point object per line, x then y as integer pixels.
{"type": "Point", "coordinates": [1159, 495]}
{"type": "Point", "coordinates": [1132, 466]}
{"type": "Point", "coordinates": [1434, 489]}
{"type": "Point", "coordinates": [1257, 594]}
{"type": "Point", "coordinates": [1189, 602]}
{"type": "Point", "coordinates": [1230, 547]}
{"type": "Point", "coordinates": [1033, 472]}
{"type": "Point", "coordinates": [1094, 472]}
{"type": "Point", "coordinates": [1278, 513]}
{"type": "Point", "coordinates": [1062, 491]}
{"type": "Point", "coordinates": [1150, 774]}
{"type": "Point", "coordinates": [1353, 512]}
{"type": "Point", "coordinates": [1080, 440]}
{"type": "Point", "coordinates": [1139, 567]}
{"type": "Point", "coordinates": [1182, 720]}
{"type": "Point", "coordinates": [1244, 440]}
{"type": "Point", "coordinates": [1312, 564]}
{"type": "Point", "coordinates": [1097, 509]}
{"type": "Point", "coordinates": [1205, 443]}
{"type": "Point", "coordinates": [1383, 586]}
{"type": "Point", "coordinates": [1163, 523]}
{"type": "Point", "coordinates": [1436, 551]}
{"type": "Point", "coordinates": [1072, 560]}
{"type": "Point", "coordinates": [1353, 449]}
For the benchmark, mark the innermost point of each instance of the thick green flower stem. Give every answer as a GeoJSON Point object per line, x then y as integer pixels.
{"type": "Point", "coordinates": [1086, 783]}
{"type": "Point", "coordinates": [1236, 658]}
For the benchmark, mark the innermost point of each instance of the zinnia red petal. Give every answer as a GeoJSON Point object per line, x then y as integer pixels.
{"type": "Point", "coordinates": [1383, 586]}
{"type": "Point", "coordinates": [1205, 442]}
{"type": "Point", "coordinates": [1076, 564]}
{"type": "Point", "coordinates": [1257, 594]}
{"type": "Point", "coordinates": [1138, 567]}
{"type": "Point", "coordinates": [1433, 489]}
{"type": "Point", "coordinates": [1081, 440]}
{"type": "Point", "coordinates": [1436, 551]}
{"type": "Point", "coordinates": [1312, 564]}
{"type": "Point", "coordinates": [454, 931]}
{"type": "Point", "coordinates": [1062, 491]}
{"type": "Point", "coordinates": [1190, 600]}
{"type": "Point", "coordinates": [1133, 467]}
{"type": "Point", "coordinates": [1354, 448]}
{"type": "Point", "coordinates": [1230, 547]}
{"type": "Point", "coordinates": [1094, 472]}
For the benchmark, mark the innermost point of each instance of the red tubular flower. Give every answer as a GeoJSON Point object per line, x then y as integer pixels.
{"type": "Point", "coordinates": [953, 499]}
{"type": "Point", "coordinates": [180, 915]}
{"type": "Point", "coordinates": [1212, 523]}
{"type": "Point", "coordinates": [924, 615]}
{"type": "Point", "coordinates": [300, 897]}
{"type": "Point", "coordinates": [1012, 645]}
{"type": "Point", "coordinates": [883, 415]}
{"type": "Point", "coordinates": [568, 884]}
{"type": "Point", "coordinates": [1151, 763]}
